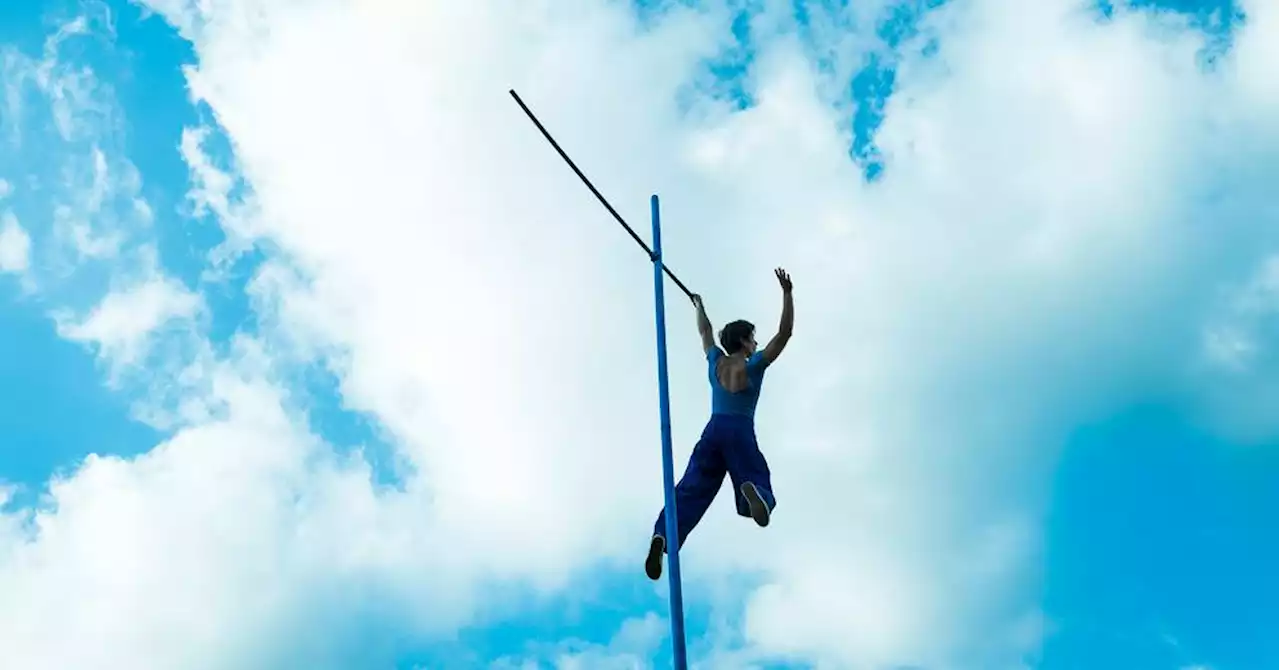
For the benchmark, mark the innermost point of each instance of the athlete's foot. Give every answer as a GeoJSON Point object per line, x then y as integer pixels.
{"type": "Point", "coordinates": [653, 563]}
{"type": "Point", "coordinates": [759, 509]}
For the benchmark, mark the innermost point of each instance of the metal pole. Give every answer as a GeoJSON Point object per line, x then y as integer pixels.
{"type": "Point", "coordinates": [668, 466]}
{"type": "Point", "coordinates": [664, 402]}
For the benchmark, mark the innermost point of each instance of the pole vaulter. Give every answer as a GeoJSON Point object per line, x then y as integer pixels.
{"type": "Point", "coordinates": [728, 443]}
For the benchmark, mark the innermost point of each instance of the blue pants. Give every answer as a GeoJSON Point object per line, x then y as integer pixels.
{"type": "Point", "coordinates": [728, 445]}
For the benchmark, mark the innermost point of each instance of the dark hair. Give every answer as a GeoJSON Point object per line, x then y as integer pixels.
{"type": "Point", "coordinates": [734, 333]}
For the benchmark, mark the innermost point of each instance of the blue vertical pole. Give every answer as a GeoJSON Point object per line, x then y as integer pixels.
{"type": "Point", "coordinates": [668, 467]}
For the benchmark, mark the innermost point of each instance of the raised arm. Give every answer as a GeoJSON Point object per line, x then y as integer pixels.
{"type": "Point", "coordinates": [779, 342]}
{"type": "Point", "coordinates": [704, 325]}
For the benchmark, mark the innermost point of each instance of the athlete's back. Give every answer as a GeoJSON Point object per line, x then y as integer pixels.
{"type": "Point", "coordinates": [735, 382]}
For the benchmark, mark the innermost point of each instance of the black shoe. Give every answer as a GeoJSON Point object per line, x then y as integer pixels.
{"type": "Point", "coordinates": [759, 510]}
{"type": "Point", "coordinates": [653, 563]}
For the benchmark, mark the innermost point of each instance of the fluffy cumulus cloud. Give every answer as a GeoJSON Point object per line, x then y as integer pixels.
{"type": "Point", "coordinates": [1074, 214]}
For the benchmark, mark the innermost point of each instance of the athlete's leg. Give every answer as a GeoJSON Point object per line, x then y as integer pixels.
{"type": "Point", "coordinates": [694, 492]}
{"type": "Point", "coordinates": [749, 472]}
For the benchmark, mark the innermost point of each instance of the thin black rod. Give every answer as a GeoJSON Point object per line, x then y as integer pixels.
{"type": "Point", "coordinates": [601, 198]}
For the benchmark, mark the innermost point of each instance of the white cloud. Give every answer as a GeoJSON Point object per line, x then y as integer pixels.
{"type": "Point", "coordinates": [1235, 375]}
{"type": "Point", "coordinates": [163, 564]}
{"type": "Point", "coordinates": [122, 322]}
{"type": "Point", "coordinates": [78, 106]}
{"type": "Point", "coordinates": [632, 648]}
{"type": "Point", "coordinates": [15, 245]}
{"type": "Point", "coordinates": [211, 194]}
{"type": "Point", "coordinates": [96, 207]}
{"type": "Point", "coordinates": [1034, 257]}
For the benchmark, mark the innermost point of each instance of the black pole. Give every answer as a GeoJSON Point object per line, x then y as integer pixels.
{"type": "Point", "coordinates": [601, 198]}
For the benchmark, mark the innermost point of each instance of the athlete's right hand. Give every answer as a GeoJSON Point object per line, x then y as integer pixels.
{"type": "Point", "coordinates": [784, 279]}
{"type": "Point", "coordinates": [697, 300]}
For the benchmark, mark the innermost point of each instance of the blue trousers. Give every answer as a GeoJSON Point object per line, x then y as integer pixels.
{"type": "Point", "coordinates": [728, 445]}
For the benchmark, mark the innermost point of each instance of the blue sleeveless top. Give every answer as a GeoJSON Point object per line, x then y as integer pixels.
{"type": "Point", "coordinates": [742, 403]}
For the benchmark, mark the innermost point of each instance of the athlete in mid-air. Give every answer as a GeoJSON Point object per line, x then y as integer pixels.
{"type": "Point", "coordinates": [728, 443]}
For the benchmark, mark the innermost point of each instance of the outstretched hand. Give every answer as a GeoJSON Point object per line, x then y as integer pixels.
{"type": "Point", "coordinates": [697, 300]}
{"type": "Point", "coordinates": [784, 279]}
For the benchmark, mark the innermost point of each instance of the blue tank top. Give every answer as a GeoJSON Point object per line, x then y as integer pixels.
{"type": "Point", "coordinates": [742, 403]}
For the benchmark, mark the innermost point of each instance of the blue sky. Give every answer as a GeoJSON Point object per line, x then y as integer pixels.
{"type": "Point", "coordinates": [1161, 547]}
{"type": "Point", "coordinates": [1157, 538]}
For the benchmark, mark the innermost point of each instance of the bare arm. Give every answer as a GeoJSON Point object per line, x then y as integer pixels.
{"type": "Point", "coordinates": [704, 325]}
{"type": "Point", "coordinates": [779, 342]}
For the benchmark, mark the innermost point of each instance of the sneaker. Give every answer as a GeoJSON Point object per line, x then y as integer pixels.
{"type": "Point", "coordinates": [653, 563]}
{"type": "Point", "coordinates": [759, 509]}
